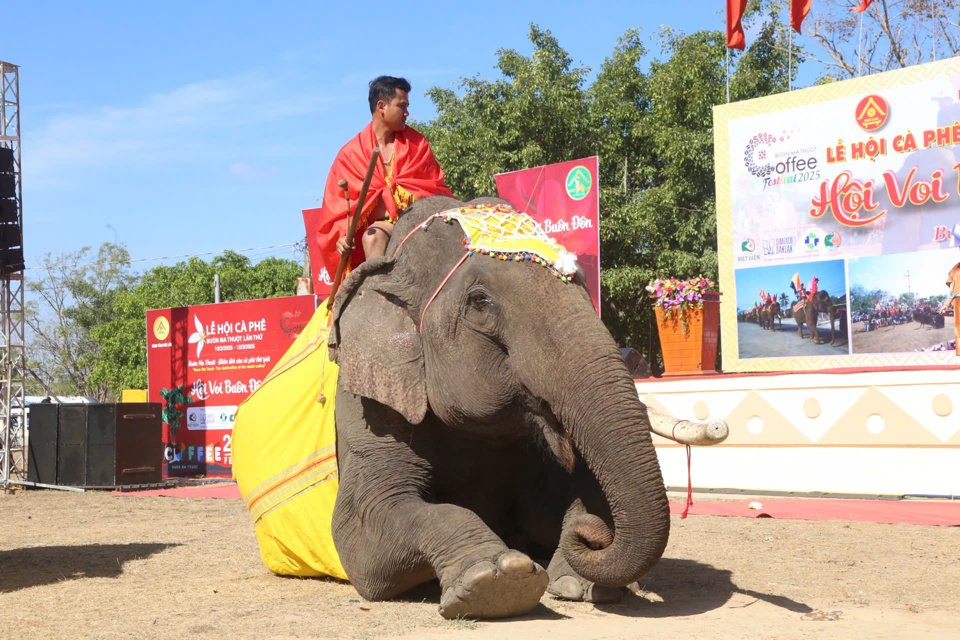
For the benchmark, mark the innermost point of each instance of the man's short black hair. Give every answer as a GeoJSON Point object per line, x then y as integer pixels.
{"type": "Point", "coordinates": [385, 88]}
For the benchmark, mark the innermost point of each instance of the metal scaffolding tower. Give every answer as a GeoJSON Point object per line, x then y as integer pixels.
{"type": "Point", "coordinates": [13, 461]}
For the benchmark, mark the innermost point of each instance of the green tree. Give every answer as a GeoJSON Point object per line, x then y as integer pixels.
{"type": "Point", "coordinates": [73, 295]}
{"type": "Point", "coordinates": [123, 354]}
{"type": "Point", "coordinates": [652, 129]}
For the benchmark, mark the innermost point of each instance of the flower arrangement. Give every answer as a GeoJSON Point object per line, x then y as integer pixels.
{"type": "Point", "coordinates": [673, 295]}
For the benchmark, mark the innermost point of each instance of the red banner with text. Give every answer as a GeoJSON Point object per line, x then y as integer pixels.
{"type": "Point", "coordinates": [564, 199]}
{"type": "Point", "coordinates": [220, 353]}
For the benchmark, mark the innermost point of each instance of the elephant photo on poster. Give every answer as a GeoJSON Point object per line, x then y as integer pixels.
{"type": "Point", "coordinates": [896, 302]}
{"type": "Point", "coordinates": [791, 310]}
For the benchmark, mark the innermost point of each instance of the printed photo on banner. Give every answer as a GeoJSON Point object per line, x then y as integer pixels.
{"type": "Point", "coordinates": [896, 302]}
{"type": "Point", "coordinates": [792, 310]}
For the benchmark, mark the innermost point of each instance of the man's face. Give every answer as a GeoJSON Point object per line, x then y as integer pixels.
{"type": "Point", "coordinates": [395, 112]}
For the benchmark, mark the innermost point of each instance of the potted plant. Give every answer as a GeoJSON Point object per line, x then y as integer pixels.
{"type": "Point", "coordinates": [173, 399]}
{"type": "Point", "coordinates": [688, 320]}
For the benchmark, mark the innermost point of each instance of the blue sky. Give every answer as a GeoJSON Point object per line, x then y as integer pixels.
{"type": "Point", "coordinates": [190, 127]}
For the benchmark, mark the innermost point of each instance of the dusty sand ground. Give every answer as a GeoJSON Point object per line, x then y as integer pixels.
{"type": "Point", "coordinates": [900, 338]}
{"type": "Point", "coordinates": [95, 565]}
{"type": "Point", "coordinates": [755, 342]}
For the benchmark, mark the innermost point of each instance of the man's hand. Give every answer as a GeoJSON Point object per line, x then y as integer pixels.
{"type": "Point", "coordinates": [342, 245]}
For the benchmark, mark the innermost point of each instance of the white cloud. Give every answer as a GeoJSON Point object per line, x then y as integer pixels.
{"type": "Point", "coordinates": [186, 123]}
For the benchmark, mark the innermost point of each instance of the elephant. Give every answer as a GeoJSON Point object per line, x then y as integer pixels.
{"type": "Point", "coordinates": [487, 427]}
{"type": "Point", "coordinates": [768, 313]}
{"type": "Point", "coordinates": [810, 313]}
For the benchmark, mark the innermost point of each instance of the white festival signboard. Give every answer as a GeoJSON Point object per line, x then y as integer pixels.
{"type": "Point", "coordinates": [856, 184]}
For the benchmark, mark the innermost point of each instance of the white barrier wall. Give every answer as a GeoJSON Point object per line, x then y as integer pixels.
{"type": "Point", "coordinates": [877, 432]}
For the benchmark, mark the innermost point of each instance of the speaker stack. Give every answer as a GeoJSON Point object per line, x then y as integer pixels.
{"type": "Point", "coordinates": [95, 445]}
{"type": "Point", "coordinates": [11, 235]}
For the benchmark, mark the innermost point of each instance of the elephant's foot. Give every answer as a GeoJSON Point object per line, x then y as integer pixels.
{"type": "Point", "coordinates": [510, 586]}
{"type": "Point", "coordinates": [578, 589]}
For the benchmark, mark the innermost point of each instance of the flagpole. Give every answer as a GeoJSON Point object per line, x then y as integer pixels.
{"type": "Point", "coordinates": [860, 47]}
{"type": "Point", "coordinates": [728, 73]}
{"type": "Point", "coordinates": [790, 60]}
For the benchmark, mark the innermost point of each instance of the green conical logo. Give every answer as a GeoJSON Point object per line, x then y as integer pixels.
{"type": "Point", "coordinates": [579, 182]}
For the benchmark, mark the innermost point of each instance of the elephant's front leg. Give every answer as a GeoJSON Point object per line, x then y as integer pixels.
{"type": "Point", "coordinates": [391, 538]}
{"type": "Point", "coordinates": [404, 542]}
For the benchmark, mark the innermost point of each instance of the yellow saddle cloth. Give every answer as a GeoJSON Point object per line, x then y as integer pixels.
{"type": "Point", "coordinates": [285, 457]}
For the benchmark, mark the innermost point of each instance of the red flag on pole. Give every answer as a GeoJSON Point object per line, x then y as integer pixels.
{"type": "Point", "coordinates": [735, 9]}
{"type": "Point", "coordinates": [798, 11]}
{"type": "Point", "coordinates": [863, 6]}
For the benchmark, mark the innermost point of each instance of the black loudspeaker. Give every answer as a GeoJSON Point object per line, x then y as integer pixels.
{"type": "Point", "coordinates": [42, 446]}
{"type": "Point", "coordinates": [8, 185]}
{"type": "Point", "coordinates": [11, 260]}
{"type": "Point", "coordinates": [10, 236]}
{"type": "Point", "coordinates": [72, 445]}
{"type": "Point", "coordinates": [8, 211]}
{"type": "Point", "coordinates": [6, 160]}
{"type": "Point", "coordinates": [139, 444]}
{"type": "Point", "coordinates": [108, 445]}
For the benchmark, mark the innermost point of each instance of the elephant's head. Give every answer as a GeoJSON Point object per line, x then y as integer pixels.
{"type": "Point", "coordinates": [502, 350]}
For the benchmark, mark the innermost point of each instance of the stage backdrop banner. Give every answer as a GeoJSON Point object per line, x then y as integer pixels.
{"type": "Point", "coordinates": [856, 184]}
{"type": "Point", "coordinates": [220, 353]}
{"type": "Point", "coordinates": [565, 199]}
{"type": "Point", "coordinates": [322, 278]}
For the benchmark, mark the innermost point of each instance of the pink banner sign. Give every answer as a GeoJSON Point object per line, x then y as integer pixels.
{"type": "Point", "coordinates": [564, 199]}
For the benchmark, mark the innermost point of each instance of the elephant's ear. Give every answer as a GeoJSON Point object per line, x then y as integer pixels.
{"type": "Point", "coordinates": [375, 341]}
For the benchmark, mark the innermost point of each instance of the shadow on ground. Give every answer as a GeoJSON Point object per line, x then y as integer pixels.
{"type": "Point", "coordinates": [37, 566]}
{"type": "Point", "coordinates": [689, 588]}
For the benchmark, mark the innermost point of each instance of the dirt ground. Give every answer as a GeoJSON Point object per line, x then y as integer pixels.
{"type": "Point", "coordinates": [96, 565]}
{"type": "Point", "coordinates": [900, 338]}
{"type": "Point", "coordinates": [755, 342]}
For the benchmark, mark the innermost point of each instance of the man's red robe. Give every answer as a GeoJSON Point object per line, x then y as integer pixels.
{"type": "Point", "coordinates": [414, 168]}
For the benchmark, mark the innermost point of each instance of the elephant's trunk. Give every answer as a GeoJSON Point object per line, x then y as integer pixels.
{"type": "Point", "coordinates": [599, 408]}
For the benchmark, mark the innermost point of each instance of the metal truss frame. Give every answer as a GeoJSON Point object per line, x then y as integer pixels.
{"type": "Point", "coordinates": [13, 459]}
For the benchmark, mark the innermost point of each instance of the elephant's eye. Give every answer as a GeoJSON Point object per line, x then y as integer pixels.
{"type": "Point", "coordinates": [478, 299]}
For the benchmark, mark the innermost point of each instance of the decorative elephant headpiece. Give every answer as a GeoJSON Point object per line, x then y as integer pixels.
{"type": "Point", "coordinates": [379, 348]}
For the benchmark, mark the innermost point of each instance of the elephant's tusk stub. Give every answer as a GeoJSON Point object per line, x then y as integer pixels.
{"type": "Point", "coordinates": [702, 434]}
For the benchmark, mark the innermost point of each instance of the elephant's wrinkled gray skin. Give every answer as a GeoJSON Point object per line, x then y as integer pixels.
{"type": "Point", "coordinates": [810, 314]}
{"type": "Point", "coordinates": [509, 430]}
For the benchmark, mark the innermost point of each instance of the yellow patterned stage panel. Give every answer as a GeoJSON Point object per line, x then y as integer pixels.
{"type": "Point", "coordinates": [851, 189]}
{"type": "Point", "coordinates": [876, 432]}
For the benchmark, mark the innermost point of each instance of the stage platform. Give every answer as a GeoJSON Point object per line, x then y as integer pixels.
{"type": "Point", "coordinates": [894, 431]}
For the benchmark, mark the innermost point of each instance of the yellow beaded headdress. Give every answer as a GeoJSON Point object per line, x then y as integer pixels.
{"type": "Point", "coordinates": [500, 232]}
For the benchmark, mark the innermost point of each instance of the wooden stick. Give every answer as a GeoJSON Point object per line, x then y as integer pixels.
{"type": "Point", "coordinates": [345, 258]}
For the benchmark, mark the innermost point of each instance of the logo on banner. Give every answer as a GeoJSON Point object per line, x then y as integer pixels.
{"type": "Point", "coordinates": [161, 328]}
{"type": "Point", "coordinates": [811, 241]}
{"type": "Point", "coordinates": [324, 276]}
{"type": "Point", "coordinates": [199, 336]}
{"type": "Point", "coordinates": [872, 112]}
{"type": "Point", "coordinates": [748, 246]}
{"type": "Point", "coordinates": [756, 154]}
{"type": "Point", "coordinates": [579, 182]}
{"type": "Point", "coordinates": [832, 240]}
{"type": "Point", "coordinates": [778, 246]}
